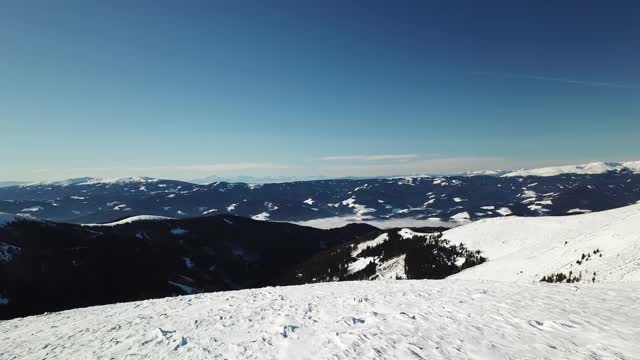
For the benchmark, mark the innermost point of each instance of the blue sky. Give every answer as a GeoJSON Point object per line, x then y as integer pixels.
{"type": "Point", "coordinates": [186, 89]}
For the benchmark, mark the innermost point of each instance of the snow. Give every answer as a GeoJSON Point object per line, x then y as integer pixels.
{"type": "Point", "coordinates": [366, 320]}
{"type": "Point", "coordinates": [578, 211]}
{"type": "Point", "coordinates": [360, 264]}
{"type": "Point", "coordinates": [361, 211]}
{"type": "Point", "coordinates": [538, 208]}
{"type": "Point", "coordinates": [270, 206]}
{"type": "Point", "coordinates": [504, 211]}
{"type": "Point", "coordinates": [209, 211]}
{"type": "Point", "coordinates": [339, 221]}
{"type": "Point", "coordinates": [263, 216]}
{"type": "Point", "coordinates": [8, 218]}
{"type": "Point", "coordinates": [528, 194]}
{"type": "Point", "coordinates": [408, 233]}
{"type": "Point", "coordinates": [309, 201]}
{"type": "Point", "coordinates": [528, 248]}
{"type": "Point", "coordinates": [232, 207]}
{"type": "Point", "coordinates": [32, 209]}
{"type": "Point", "coordinates": [391, 269]}
{"type": "Point", "coordinates": [371, 243]}
{"type": "Point", "coordinates": [488, 207]}
{"type": "Point", "coordinates": [133, 219]}
{"type": "Point", "coordinates": [457, 199]}
{"type": "Point", "coordinates": [119, 181]}
{"type": "Point", "coordinates": [179, 231]}
{"type": "Point", "coordinates": [463, 216]}
{"type": "Point", "coordinates": [484, 173]}
{"type": "Point", "coordinates": [590, 168]}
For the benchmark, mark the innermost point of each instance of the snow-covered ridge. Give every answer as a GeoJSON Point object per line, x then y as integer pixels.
{"type": "Point", "coordinates": [485, 173]}
{"type": "Point", "coordinates": [133, 219]}
{"type": "Point", "coordinates": [94, 181]}
{"type": "Point", "coordinates": [125, 180]}
{"type": "Point", "coordinates": [604, 246]}
{"type": "Point", "coordinates": [6, 218]}
{"type": "Point", "coordinates": [350, 320]}
{"type": "Point", "coordinates": [590, 168]}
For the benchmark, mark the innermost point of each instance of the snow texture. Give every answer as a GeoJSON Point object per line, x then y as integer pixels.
{"type": "Point", "coordinates": [371, 243]}
{"type": "Point", "coordinates": [408, 233]}
{"type": "Point", "coordinates": [133, 219]}
{"type": "Point", "coordinates": [528, 248]}
{"type": "Point", "coordinates": [339, 221]}
{"type": "Point", "coordinates": [263, 216]}
{"type": "Point", "coordinates": [461, 217]}
{"type": "Point", "coordinates": [424, 319]}
{"type": "Point", "coordinates": [590, 168]}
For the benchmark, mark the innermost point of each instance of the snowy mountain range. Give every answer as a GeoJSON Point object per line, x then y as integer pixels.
{"type": "Point", "coordinates": [451, 318]}
{"type": "Point", "coordinates": [93, 264]}
{"type": "Point", "coordinates": [46, 266]}
{"type": "Point", "coordinates": [326, 203]}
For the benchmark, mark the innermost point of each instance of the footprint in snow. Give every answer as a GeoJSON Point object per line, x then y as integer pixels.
{"type": "Point", "coordinates": [166, 333]}
{"type": "Point", "coordinates": [412, 317]}
{"type": "Point", "coordinates": [287, 330]}
{"type": "Point", "coordinates": [183, 342]}
{"type": "Point", "coordinates": [536, 324]}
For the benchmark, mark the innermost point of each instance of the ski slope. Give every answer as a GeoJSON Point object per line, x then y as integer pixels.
{"type": "Point", "coordinates": [528, 248]}
{"type": "Point", "coordinates": [350, 320]}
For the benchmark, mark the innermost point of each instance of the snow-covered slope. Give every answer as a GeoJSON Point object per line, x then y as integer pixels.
{"type": "Point", "coordinates": [350, 320]}
{"type": "Point", "coordinates": [590, 168]}
{"type": "Point", "coordinates": [9, 218]}
{"type": "Point", "coordinates": [526, 249]}
{"type": "Point", "coordinates": [131, 219]}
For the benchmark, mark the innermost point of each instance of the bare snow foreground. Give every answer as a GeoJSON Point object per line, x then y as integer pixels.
{"type": "Point", "coordinates": [448, 319]}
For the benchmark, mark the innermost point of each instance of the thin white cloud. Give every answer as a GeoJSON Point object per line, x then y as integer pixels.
{"type": "Point", "coordinates": [164, 171]}
{"type": "Point", "coordinates": [370, 157]}
{"type": "Point", "coordinates": [225, 167]}
{"type": "Point", "coordinates": [556, 79]}
{"type": "Point", "coordinates": [422, 166]}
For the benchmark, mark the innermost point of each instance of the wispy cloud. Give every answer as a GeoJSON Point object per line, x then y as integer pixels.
{"type": "Point", "coordinates": [423, 166]}
{"type": "Point", "coordinates": [222, 167]}
{"type": "Point", "coordinates": [168, 171]}
{"type": "Point", "coordinates": [370, 157]}
{"type": "Point", "coordinates": [225, 167]}
{"type": "Point", "coordinates": [556, 79]}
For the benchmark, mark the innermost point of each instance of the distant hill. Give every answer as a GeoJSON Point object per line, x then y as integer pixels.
{"type": "Point", "coordinates": [326, 203]}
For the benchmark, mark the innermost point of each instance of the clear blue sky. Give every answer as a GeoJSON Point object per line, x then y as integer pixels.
{"type": "Point", "coordinates": [186, 89]}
